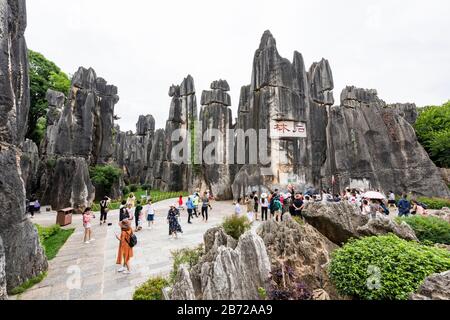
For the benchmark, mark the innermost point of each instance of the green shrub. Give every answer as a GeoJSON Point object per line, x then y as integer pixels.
{"type": "Point", "coordinates": [105, 176]}
{"type": "Point", "coordinates": [28, 284]}
{"type": "Point", "coordinates": [236, 226]}
{"type": "Point", "coordinates": [125, 190]}
{"type": "Point", "coordinates": [133, 188]}
{"type": "Point", "coordinates": [151, 290]}
{"type": "Point", "coordinates": [384, 267]}
{"type": "Point", "coordinates": [190, 257]}
{"type": "Point", "coordinates": [146, 187]}
{"type": "Point", "coordinates": [430, 229]}
{"type": "Point", "coordinates": [435, 203]}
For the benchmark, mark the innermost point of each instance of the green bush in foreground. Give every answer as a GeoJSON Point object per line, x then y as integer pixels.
{"type": "Point", "coordinates": [435, 203]}
{"type": "Point", "coordinates": [384, 267]}
{"type": "Point", "coordinates": [432, 229]}
{"type": "Point", "coordinates": [151, 290]}
{"type": "Point", "coordinates": [235, 226]}
{"type": "Point", "coordinates": [190, 257]}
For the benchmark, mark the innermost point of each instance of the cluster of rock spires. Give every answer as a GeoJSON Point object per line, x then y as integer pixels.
{"type": "Point", "coordinates": [362, 143]}
{"type": "Point", "coordinates": [21, 256]}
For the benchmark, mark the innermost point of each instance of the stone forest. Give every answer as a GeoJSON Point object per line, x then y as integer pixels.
{"type": "Point", "coordinates": [355, 142]}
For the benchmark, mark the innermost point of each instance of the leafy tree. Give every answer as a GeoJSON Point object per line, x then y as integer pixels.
{"type": "Point", "coordinates": [433, 131]}
{"type": "Point", "coordinates": [105, 176]}
{"type": "Point", "coordinates": [44, 75]}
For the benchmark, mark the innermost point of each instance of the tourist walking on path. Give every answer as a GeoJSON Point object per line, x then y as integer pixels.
{"type": "Point", "coordinates": [125, 252]}
{"type": "Point", "coordinates": [87, 216]}
{"type": "Point", "coordinates": [172, 220]}
{"type": "Point", "coordinates": [137, 215]}
{"type": "Point", "coordinates": [264, 207]}
{"type": "Point", "coordinates": [150, 213]}
{"type": "Point", "coordinates": [391, 201]}
{"type": "Point", "coordinates": [277, 207]}
{"type": "Point", "coordinates": [205, 206]}
{"type": "Point", "coordinates": [237, 207]}
{"type": "Point", "coordinates": [190, 209]}
{"type": "Point", "coordinates": [195, 201]}
{"type": "Point", "coordinates": [250, 206]}
{"type": "Point", "coordinates": [255, 205]}
{"type": "Point", "coordinates": [131, 200]}
{"type": "Point", "coordinates": [104, 209]}
{"type": "Point", "coordinates": [404, 206]}
{"type": "Point", "coordinates": [180, 203]}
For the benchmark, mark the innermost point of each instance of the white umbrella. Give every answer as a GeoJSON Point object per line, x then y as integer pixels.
{"type": "Point", "coordinates": [374, 195]}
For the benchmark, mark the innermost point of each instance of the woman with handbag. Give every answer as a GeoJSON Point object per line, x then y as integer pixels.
{"type": "Point", "coordinates": [125, 250]}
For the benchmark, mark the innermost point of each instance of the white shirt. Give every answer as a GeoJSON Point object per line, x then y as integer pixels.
{"type": "Point", "coordinates": [148, 209]}
{"type": "Point", "coordinates": [237, 209]}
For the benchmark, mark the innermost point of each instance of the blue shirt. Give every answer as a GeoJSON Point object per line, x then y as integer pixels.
{"type": "Point", "coordinates": [190, 204]}
{"type": "Point", "coordinates": [404, 206]}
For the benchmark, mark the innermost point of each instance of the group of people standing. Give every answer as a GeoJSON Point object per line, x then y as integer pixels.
{"type": "Point", "coordinates": [275, 203]}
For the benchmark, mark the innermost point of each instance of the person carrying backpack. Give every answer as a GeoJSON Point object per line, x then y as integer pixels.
{"type": "Point", "coordinates": [127, 241]}
{"type": "Point", "coordinates": [104, 209]}
{"type": "Point", "coordinates": [277, 208]}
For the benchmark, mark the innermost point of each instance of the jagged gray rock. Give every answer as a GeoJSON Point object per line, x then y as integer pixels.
{"type": "Point", "coordinates": [3, 291]}
{"type": "Point", "coordinates": [341, 221]}
{"type": "Point", "coordinates": [301, 247]}
{"type": "Point", "coordinates": [65, 182]}
{"type": "Point", "coordinates": [29, 164]}
{"type": "Point", "coordinates": [372, 144]}
{"type": "Point", "coordinates": [23, 257]}
{"type": "Point", "coordinates": [406, 110]}
{"type": "Point", "coordinates": [224, 272]}
{"type": "Point", "coordinates": [435, 287]}
{"type": "Point", "coordinates": [216, 121]}
{"type": "Point", "coordinates": [283, 92]}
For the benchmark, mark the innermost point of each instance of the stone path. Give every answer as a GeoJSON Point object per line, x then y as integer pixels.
{"type": "Point", "coordinates": [88, 271]}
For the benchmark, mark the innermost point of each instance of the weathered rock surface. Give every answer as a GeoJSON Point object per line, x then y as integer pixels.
{"type": "Point", "coordinates": [65, 182]}
{"type": "Point", "coordinates": [406, 110]}
{"type": "Point", "coordinates": [3, 291]}
{"type": "Point", "coordinates": [216, 121]}
{"type": "Point", "coordinates": [283, 92]}
{"type": "Point", "coordinates": [86, 123]}
{"type": "Point", "coordinates": [302, 248]}
{"type": "Point", "coordinates": [227, 271]}
{"type": "Point", "coordinates": [444, 214]}
{"type": "Point", "coordinates": [369, 142]}
{"type": "Point", "coordinates": [341, 221]}
{"type": "Point", "coordinates": [435, 287]}
{"type": "Point", "coordinates": [21, 256]}
{"type": "Point", "coordinates": [29, 164]}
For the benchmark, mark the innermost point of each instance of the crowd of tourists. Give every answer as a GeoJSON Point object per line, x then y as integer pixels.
{"type": "Point", "coordinates": [135, 215]}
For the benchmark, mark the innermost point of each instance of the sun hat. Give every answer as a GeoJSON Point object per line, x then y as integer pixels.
{"type": "Point", "coordinates": [264, 195]}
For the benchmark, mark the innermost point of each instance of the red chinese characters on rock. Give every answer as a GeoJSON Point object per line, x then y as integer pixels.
{"type": "Point", "coordinates": [288, 129]}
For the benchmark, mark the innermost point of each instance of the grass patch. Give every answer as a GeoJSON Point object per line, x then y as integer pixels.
{"type": "Point", "coordinates": [435, 203]}
{"type": "Point", "coordinates": [53, 238]}
{"type": "Point", "coordinates": [28, 284]}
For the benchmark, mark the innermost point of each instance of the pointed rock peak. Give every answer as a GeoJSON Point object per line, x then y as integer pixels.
{"type": "Point", "coordinates": [187, 86]}
{"type": "Point", "coordinates": [84, 78]}
{"type": "Point", "coordinates": [267, 40]}
{"type": "Point", "coordinates": [174, 91]}
{"type": "Point", "coordinates": [220, 85]}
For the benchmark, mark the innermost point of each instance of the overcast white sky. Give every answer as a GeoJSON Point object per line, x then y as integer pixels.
{"type": "Point", "coordinates": [401, 48]}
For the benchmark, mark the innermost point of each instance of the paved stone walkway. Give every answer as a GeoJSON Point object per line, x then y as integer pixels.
{"type": "Point", "coordinates": [88, 271]}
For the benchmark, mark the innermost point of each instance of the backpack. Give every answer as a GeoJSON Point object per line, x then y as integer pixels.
{"type": "Point", "coordinates": [133, 240]}
{"type": "Point", "coordinates": [423, 205]}
{"type": "Point", "coordinates": [385, 209]}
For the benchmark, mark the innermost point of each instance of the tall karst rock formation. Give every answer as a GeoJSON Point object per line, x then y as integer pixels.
{"type": "Point", "coordinates": [216, 121]}
{"type": "Point", "coordinates": [283, 96]}
{"type": "Point", "coordinates": [361, 143]}
{"type": "Point", "coordinates": [79, 134]}
{"type": "Point", "coordinates": [373, 145]}
{"type": "Point", "coordinates": [21, 256]}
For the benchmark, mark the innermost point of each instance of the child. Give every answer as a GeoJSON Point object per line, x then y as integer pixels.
{"type": "Point", "coordinates": [87, 216]}
{"type": "Point", "coordinates": [150, 212]}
